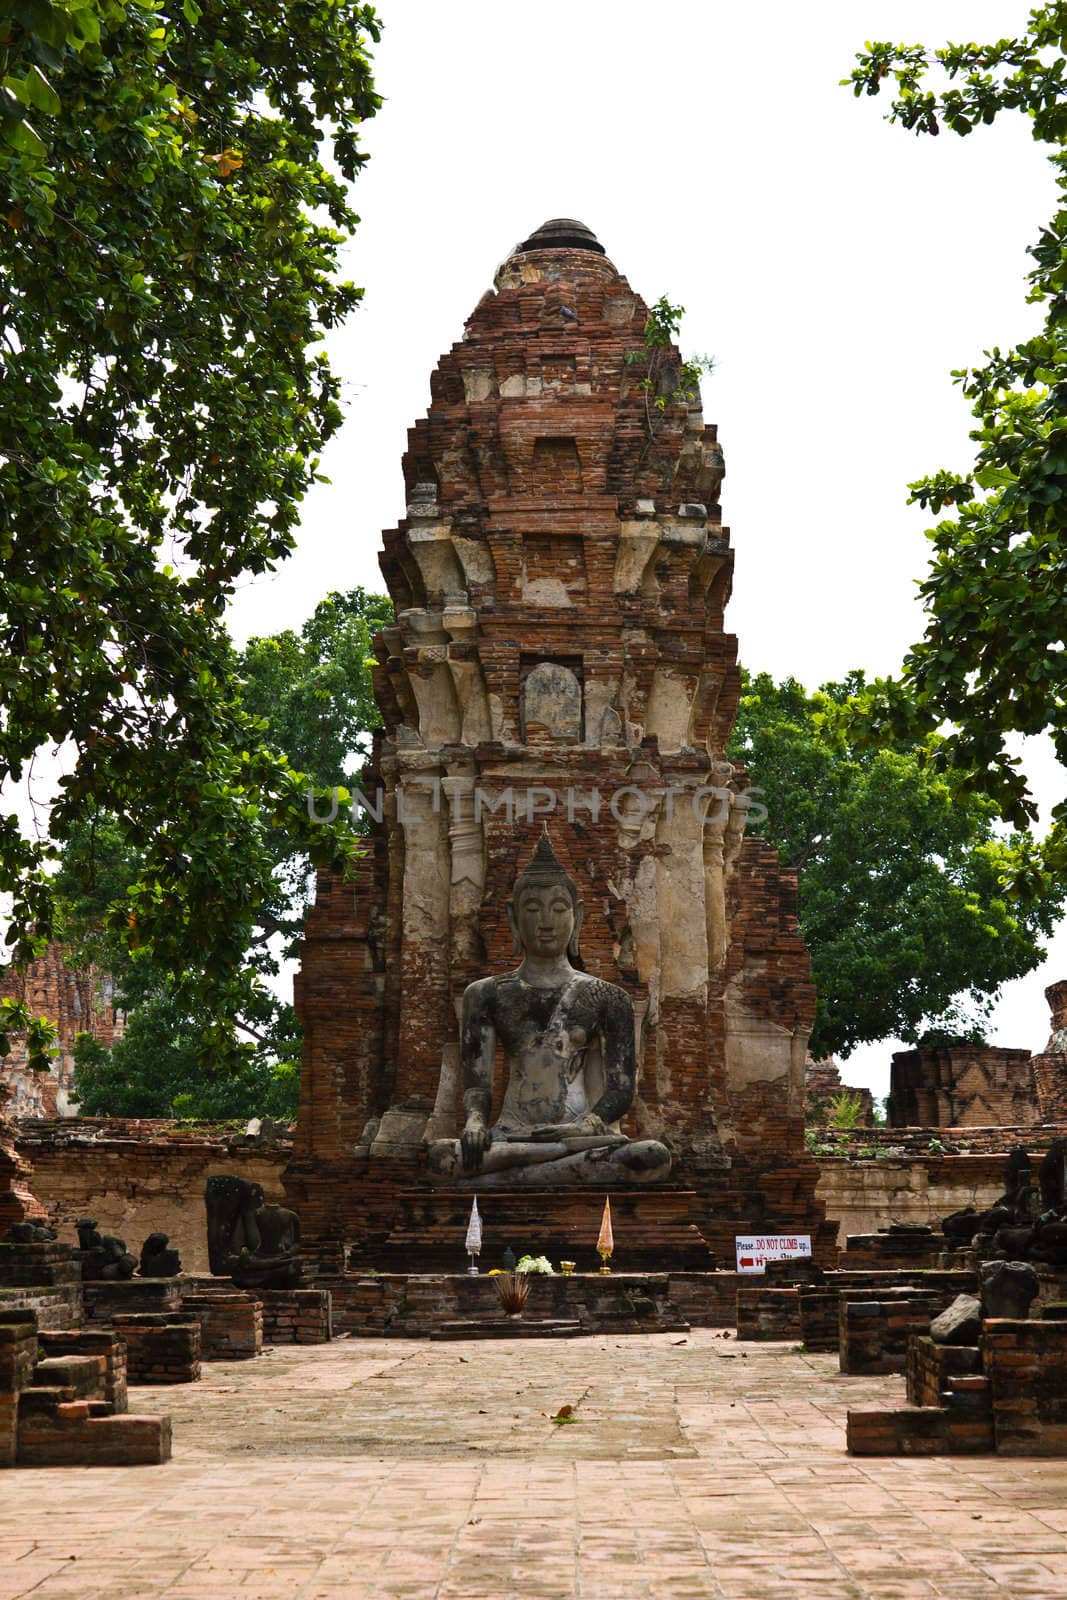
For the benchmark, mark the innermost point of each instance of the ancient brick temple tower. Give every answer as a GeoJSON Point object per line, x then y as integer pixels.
{"type": "Point", "coordinates": [559, 653]}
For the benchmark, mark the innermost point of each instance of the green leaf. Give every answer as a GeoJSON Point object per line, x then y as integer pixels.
{"type": "Point", "coordinates": [24, 137]}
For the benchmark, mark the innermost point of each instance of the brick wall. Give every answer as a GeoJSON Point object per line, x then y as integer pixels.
{"type": "Point", "coordinates": [1026, 1363]}
{"type": "Point", "coordinates": [296, 1316]}
{"type": "Point", "coordinates": [863, 1195]}
{"type": "Point", "coordinates": [768, 1313]}
{"type": "Point", "coordinates": [141, 1177]}
{"type": "Point", "coordinates": [1050, 1067]}
{"type": "Point", "coordinates": [873, 1332]}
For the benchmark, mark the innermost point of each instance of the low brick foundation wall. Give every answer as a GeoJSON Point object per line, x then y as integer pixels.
{"type": "Point", "coordinates": [705, 1299]}
{"type": "Point", "coordinates": [891, 1250]}
{"type": "Point", "coordinates": [874, 1332]}
{"type": "Point", "coordinates": [919, 1432]}
{"type": "Point", "coordinates": [820, 1315]}
{"type": "Point", "coordinates": [415, 1306]}
{"type": "Point", "coordinates": [160, 1350]}
{"type": "Point", "coordinates": [18, 1352]}
{"type": "Point", "coordinates": [63, 1398]}
{"type": "Point", "coordinates": [72, 1435]}
{"type": "Point", "coordinates": [768, 1313]}
{"type": "Point", "coordinates": [296, 1316]}
{"type": "Point", "coordinates": [231, 1325]}
{"type": "Point", "coordinates": [35, 1266]}
{"type": "Point", "coordinates": [1015, 1403]}
{"type": "Point", "coordinates": [1026, 1363]}
{"type": "Point", "coordinates": [56, 1305]}
{"type": "Point", "coordinates": [131, 1296]}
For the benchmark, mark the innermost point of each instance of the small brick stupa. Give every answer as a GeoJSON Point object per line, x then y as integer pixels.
{"type": "Point", "coordinates": [559, 655]}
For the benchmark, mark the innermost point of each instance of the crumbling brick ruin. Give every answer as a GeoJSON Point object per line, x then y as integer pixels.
{"type": "Point", "coordinates": [961, 1085]}
{"type": "Point", "coordinates": [983, 1086]}
{"type": "Point", "coordinates": [76, 1002]}
{"type": "Point", "coordinates": [1049, 1069]}
{"type": "Point", "coordinates": [560, 582]}
{"type": "Point", "coordinates": [822, 1082]}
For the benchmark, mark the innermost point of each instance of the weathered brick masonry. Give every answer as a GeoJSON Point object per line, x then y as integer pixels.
{"type": "Point", "coordinates": [139, 1177]}
{"type": "Point", "coordinates": [76, 1002]}
{"type": "Point", "coordinates": [958, 1086]}
{"type": "Point", "coordinates": [560, 582]}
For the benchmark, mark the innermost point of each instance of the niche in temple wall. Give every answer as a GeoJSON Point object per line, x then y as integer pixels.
{"type": "Point", "coordinates": [551, 700]}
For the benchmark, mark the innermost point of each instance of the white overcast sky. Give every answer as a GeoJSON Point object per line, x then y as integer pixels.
{"type": "Point", "coordinates": [836, 267]}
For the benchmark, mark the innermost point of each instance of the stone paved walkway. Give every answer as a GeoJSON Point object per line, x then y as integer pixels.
{"type": "Point", "coordinates": [405, 1471]}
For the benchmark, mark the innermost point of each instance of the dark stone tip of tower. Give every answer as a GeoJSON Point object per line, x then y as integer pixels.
{"type": "Point", "coordinates": [562, 233]}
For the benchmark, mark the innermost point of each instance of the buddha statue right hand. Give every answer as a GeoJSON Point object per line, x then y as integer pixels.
{"type": "Point", "coordinates": [474, 1142]}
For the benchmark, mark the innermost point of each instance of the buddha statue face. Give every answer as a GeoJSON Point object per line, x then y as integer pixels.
{"type": "Point", "coordinates": [544, 920]}
{"type": "Point", "coordinates": [545, 912]}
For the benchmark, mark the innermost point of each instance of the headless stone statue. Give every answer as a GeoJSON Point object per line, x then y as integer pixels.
{"type": "Point", "coordinates": [568, 1040]}
{"type": "Point", "coordinates": [103, 1256]}
{"type": "Point", "coordinates": [256, 1244]}
{"type": "Point", "coordinates": [156, 1260]}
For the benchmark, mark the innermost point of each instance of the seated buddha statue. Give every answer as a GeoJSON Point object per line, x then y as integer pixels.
{"type": "Point", "coordinates": [568, 1041]}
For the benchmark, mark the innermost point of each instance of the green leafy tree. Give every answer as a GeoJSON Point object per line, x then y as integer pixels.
{"type": "Point", "coordinates": [992, 662]}
{"type": "Point", "coordinates": [901, 882]}
{"type": "Point", "coordinates": [173, 200]}
{"type": "Point", "coordinates": [311, 692]}
{"type": "Point", "coordinates": [154, 1071]}
{"type": "Point", "coordinates": [313, 689]}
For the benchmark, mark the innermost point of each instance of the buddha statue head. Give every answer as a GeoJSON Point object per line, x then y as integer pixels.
{"type": "Point", "coordinates": [545, 913]}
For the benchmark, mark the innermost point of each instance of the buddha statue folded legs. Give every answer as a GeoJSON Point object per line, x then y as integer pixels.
{"type": "Point", "coordinates": [568, 1041]}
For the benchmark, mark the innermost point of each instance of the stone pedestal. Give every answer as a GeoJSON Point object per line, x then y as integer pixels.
{"type": "Point", "coordinates": [160, 1348]}
{"type": "Point", "coordinates": [655, 1229]}
{"type": "Point", "coordinates": [296, 1316]}
{"type": "Point", "coordinates": [231, 1325]}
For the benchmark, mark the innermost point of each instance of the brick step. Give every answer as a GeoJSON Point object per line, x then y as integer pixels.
{"type": "Point", "coordinates": [918, 1431]}
{"type": "Point", "coordinates": [507, 1328]}
{"type": "Point", "coordinates": [83, 1376]}
{"type": "Point", "coordinates": [75, 1435]}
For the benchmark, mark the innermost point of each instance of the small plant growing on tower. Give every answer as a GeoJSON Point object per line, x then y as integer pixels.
{"type": "Point", "coordinates": [666, 382]}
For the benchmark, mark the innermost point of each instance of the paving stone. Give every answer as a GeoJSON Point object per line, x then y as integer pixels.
{"type": "Point", "coordinates": [381, 1471]}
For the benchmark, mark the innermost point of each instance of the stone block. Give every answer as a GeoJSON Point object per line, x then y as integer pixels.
{"type": "Point", "coordinates": [231, 1324]}
{"type": "Point", "coordinates": [959, 1323]}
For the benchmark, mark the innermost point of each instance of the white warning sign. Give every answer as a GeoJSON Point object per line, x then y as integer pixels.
{"type": "Point", "coordinates": [754, 1250]}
